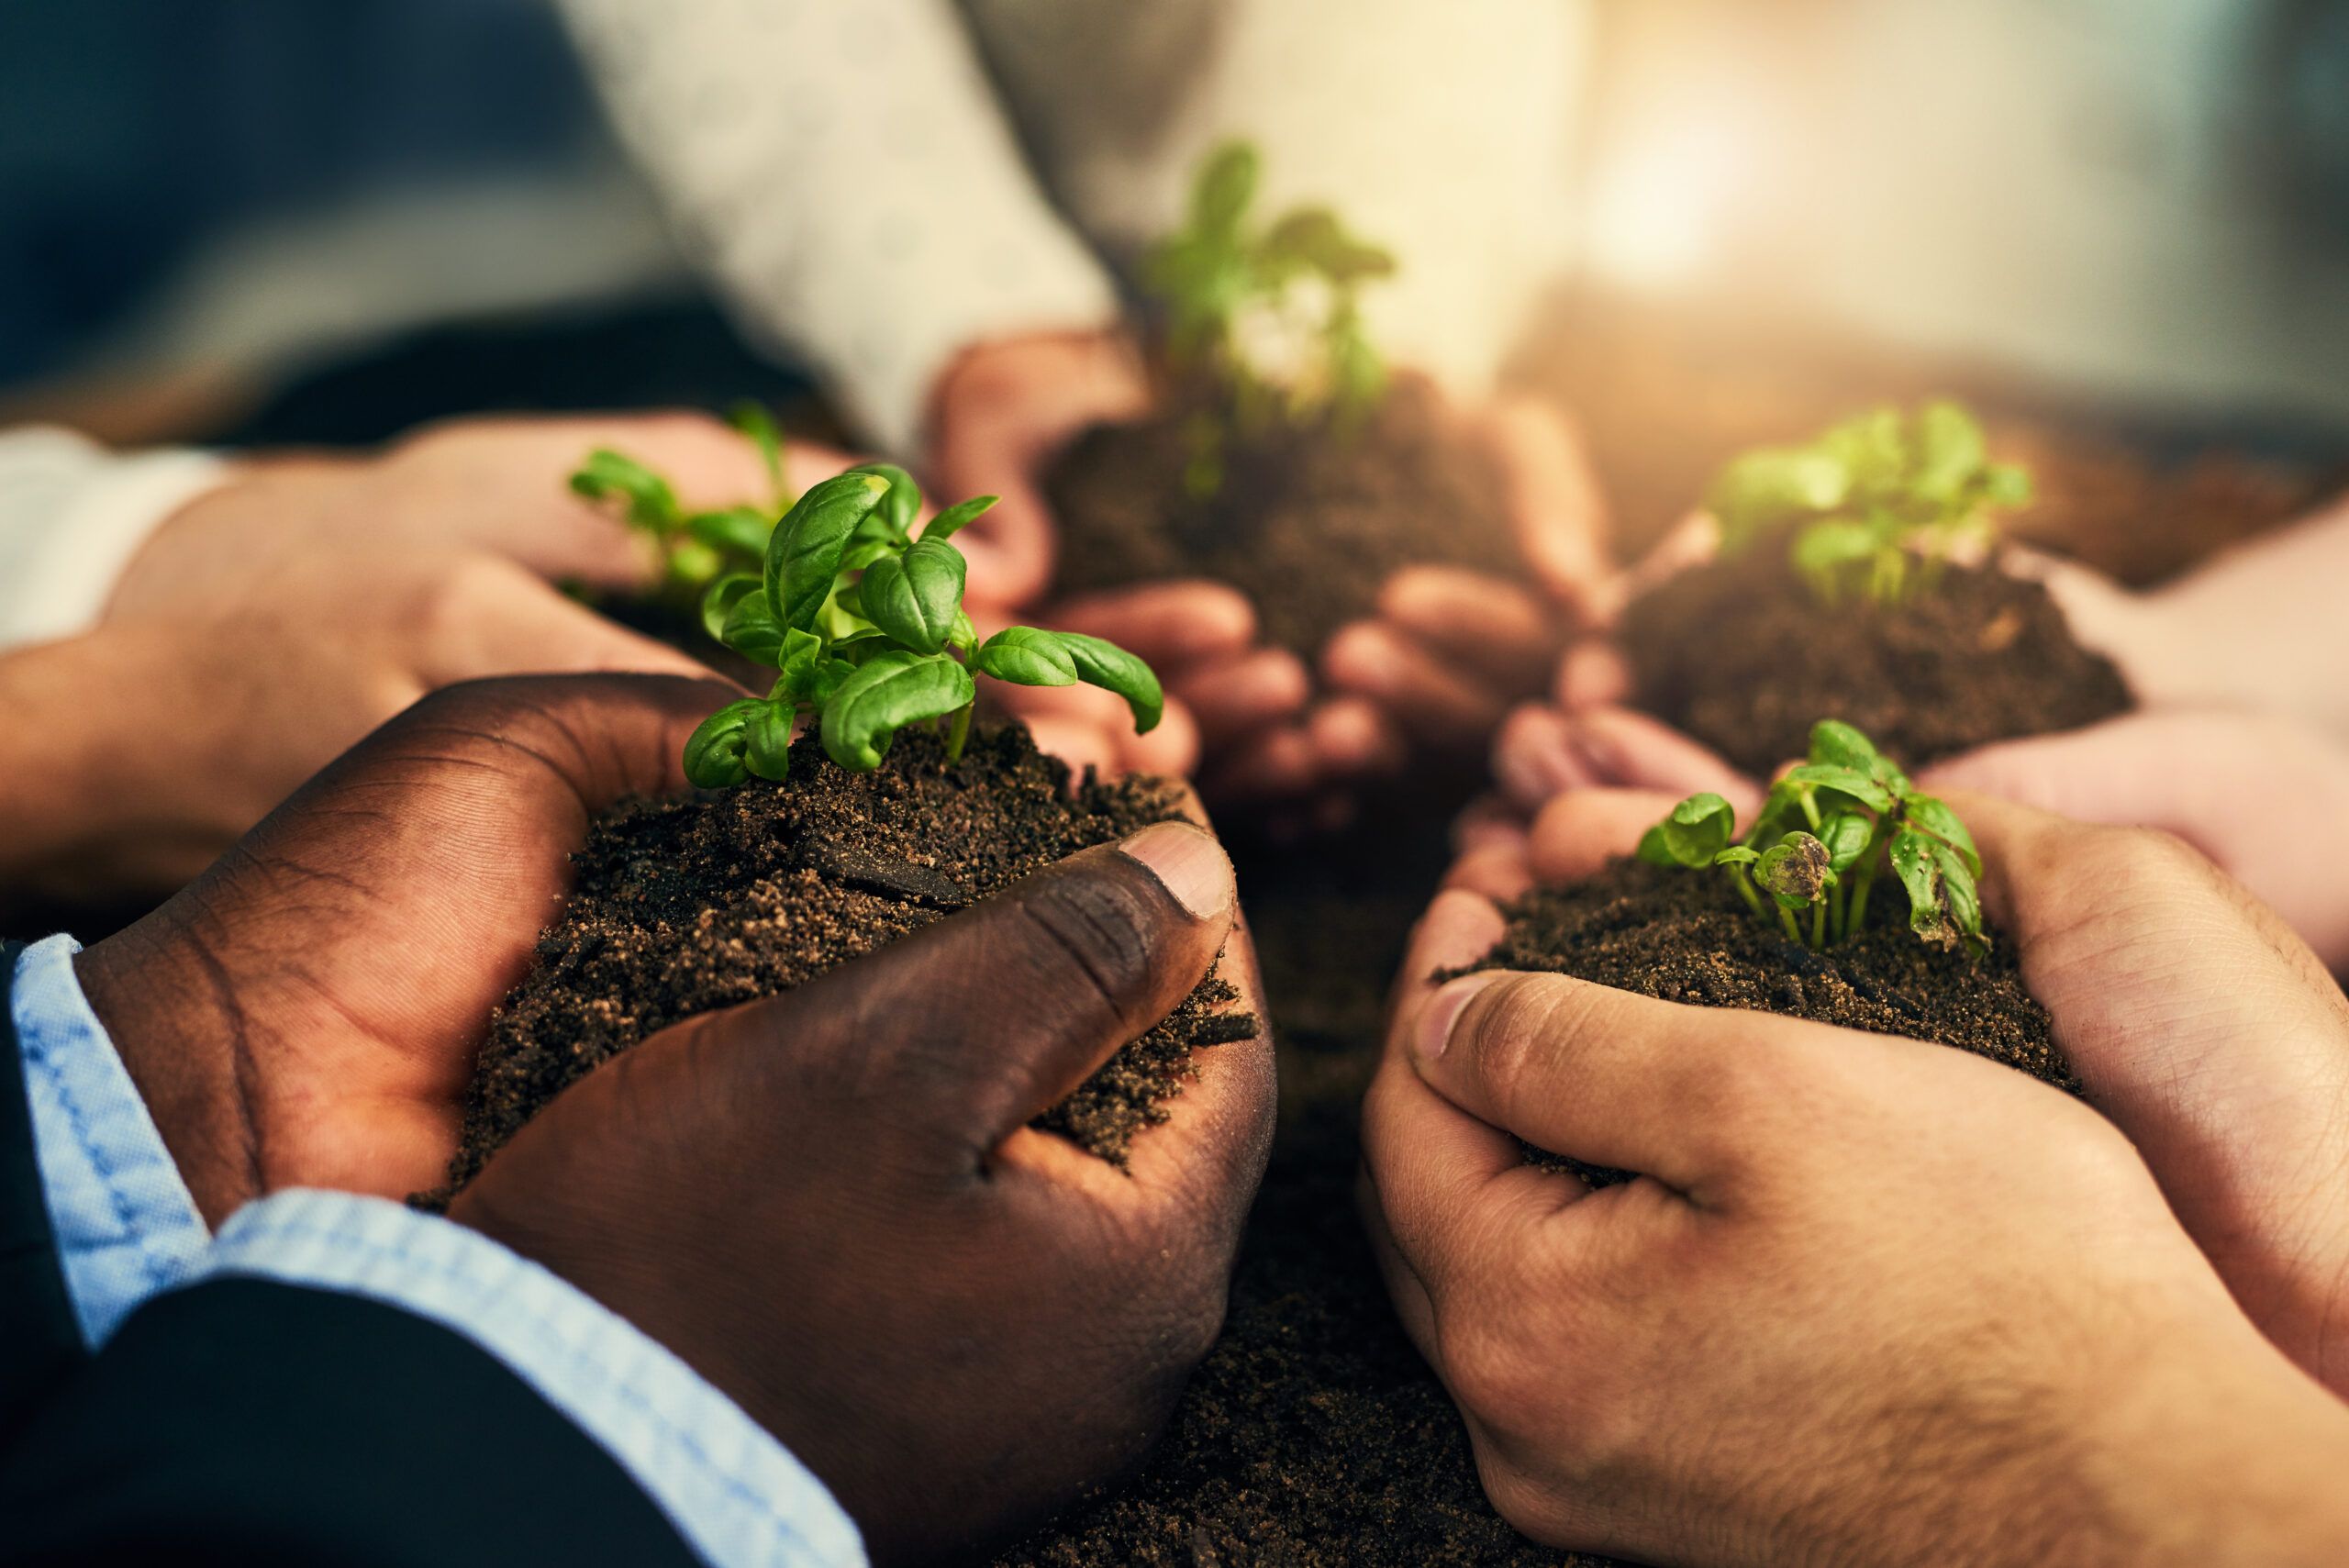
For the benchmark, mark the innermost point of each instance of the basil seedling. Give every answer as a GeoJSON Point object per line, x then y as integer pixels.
{"type": "Point", "coordinates": [696, 547]}
{"type": "Point", "coordinates": [1233, 295]}
{"type": "Point", "coordinates": [1826, 833]}
{"type": "Point", "coordinates": [864, 624]}
{"type": "Point", "coordinates": [1874, 505]}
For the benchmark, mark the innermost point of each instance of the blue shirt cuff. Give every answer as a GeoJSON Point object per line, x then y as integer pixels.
{"type": "Point", "coordinates": [735, 1494]}
{"type": "Point", "coordinates": [123, 1222]}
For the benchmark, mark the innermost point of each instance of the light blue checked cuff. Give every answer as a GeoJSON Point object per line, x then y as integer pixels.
{"type": "Point", "coordinates": [124, 1223]}
{"type": "Point", "coordinates": [736, 1495]}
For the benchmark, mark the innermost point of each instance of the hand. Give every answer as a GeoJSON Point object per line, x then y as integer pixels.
{"type": "Point", "coordinates": [1872, 1300]}
{"type": "Point", "coordinates": [831, 1205]}
{"type": "Point", "coordinates": [306, 1014]}
{"type": "Point", "coordinates": [272, 622]}
{"type": "Point", "coordinates": [2264, 796]}
{"type": "Point", "coordinates": [2201, 1025]}
{"type": "Point", "coordinates": [1451, 649]}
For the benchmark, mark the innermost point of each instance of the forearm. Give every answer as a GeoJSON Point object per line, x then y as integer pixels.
{"type": "Point", "coordinates": [2261, 625]}
{"type": "Point", "coordinates": [851, 183]}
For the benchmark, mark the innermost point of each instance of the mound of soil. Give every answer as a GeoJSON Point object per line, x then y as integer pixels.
{"type": "Point", "coordinates": [1740, 655]}
{"type": "Point", "coordinates": [1308, 523]}
{"type": "Point", "coordinates": [1666, 932]}
{"type": "Point", "coordinates": [706, 901]}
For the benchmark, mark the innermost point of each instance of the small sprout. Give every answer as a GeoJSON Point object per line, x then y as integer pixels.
{"type": "Point", "coordinates": [1826, 832]}
{"type": "Point", "coordinates": [1271, 319]}
{"type": "Point", "coordinates": [864, 625]}
{"type": "Point", "coordinates": [696, 547]}
{"type": "Point", "coordinates": [1875, 506]}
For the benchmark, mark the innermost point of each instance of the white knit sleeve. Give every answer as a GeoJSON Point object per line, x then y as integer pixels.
{"type": "Point", "coordinates": [846, 175]}
{"type": "Point", "coordinates": [72, 515]}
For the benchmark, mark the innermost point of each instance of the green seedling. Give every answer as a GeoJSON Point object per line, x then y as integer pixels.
{"type": "Point", "coordinates": [1874, 507]}
{"type": "Point", "coordinates": [1826, 834]}
{"type": "Point", "coordinates": [696, 547]}
{"type": "Point", "coordinates": [1225, 285]}
{"type": "Point", "coordinates": [864, 624]}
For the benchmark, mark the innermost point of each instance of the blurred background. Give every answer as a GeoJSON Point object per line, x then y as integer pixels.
{"type": "Point", "coordinates": [2124, 220]}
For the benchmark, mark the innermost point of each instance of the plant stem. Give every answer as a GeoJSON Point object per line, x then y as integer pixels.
{"type": "Point", "coordinates": [1745, 886]}
{"type": "Point", "coordinates": [1794, 932]}
{"type": "Point", "coordinates": [958, 730]}
{"type": "Point", "coordinates": [1858, 911]}
{"type": "Point", "coordinates": [1818, 926]}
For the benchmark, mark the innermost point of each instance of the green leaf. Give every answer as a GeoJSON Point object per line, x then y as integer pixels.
{"type": "Point", "coordinates": [753, 420]}
{"type": "Point", "coordinates": [722, 597]}
{"type": "Point", "coordinates": [1844, 781]}
{"type": "Point", "coordinates": [829, 676]}
{"type": "Point", "coordinates": [953, 520]}
{"type": "Point", "coordinates": [1735, 855]}
{"type": "Point", "coordinates": [1225, 184]}
{"type": "Point", "coordinates": [740, 531]}
{"type": "Point", "coordinates": [1796, 871]}
{"type": "Point", "coordinates": [2004, 484]}
{"type": "Point", "coordinates": [753, 631]}
{"type": "Point", "coordinates": [1848, 836]}
{"type": "Point", "coordinates": [1950, 452]}
{"type": "Point", "coordinates": [1934, 817]}
{"type": "Point", "coordinates": [883, 696]}
{"type": "Point", "coordinates": [694, 563]}
{"type": "Point", "coordinates": [1773, 485]}
{"type": "Point", "coordinates": [713, 751]}
{"type": "Point", "coordinates": [1312, 238]}
{"type": "Point", "coordinates": [897, 512]}
{"type": "Point", "coordinates": [915, 596]}
{"type": "Point", "coordinates": [804, 557]}
{"type": "Point", "coordinates": [766, 741]}
{"type": "Point", "coordinates": [1838, 744]}
{"type": "Point", "coordinates": [650, 504]}
{"type": "Point", "coordinates": [1025, 656]}
{"type": "Point", "coordinates": [1107, 665]}
{"type": "Point", "coordinates": [864, 552]}
{"type": "Point", "coordinates": [802, 651]}
{"type": "Point", "coordinates": [1943, 907]}
{"type": "Point", "coordinates": [1654, 849]}
{"type": "Point", "coordinates": [1698, 828]}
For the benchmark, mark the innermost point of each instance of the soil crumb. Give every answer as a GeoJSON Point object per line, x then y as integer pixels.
{"type": "Point", "coordinates": [700, 902]}
{"type": "Point", "coordinates": [1738, 655]}
{"type": "Point", "coordinates": [1309, 523]}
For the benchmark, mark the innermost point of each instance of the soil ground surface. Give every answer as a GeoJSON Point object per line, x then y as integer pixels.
{"type": "Point", "coordinates": [705, 901]}
{"type": "Point", "coordinates": [1309, 524]}
{"type": "Point", "coordinates": [1740, 655]}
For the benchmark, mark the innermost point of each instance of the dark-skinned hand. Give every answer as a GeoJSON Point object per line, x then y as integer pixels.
{"type": "Point", "coordinates": [306, 1013]}
{"type": "Point", "coordinates": [831, 1205]}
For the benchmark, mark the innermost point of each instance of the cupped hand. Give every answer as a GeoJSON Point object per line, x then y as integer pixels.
{"type": "Point", "coordinates": [2208, 1032]}
{"type": "Point", "coordinates": [306, 1013]}
{"type": "Point", "coordinates": [1869, 1300]}
{"type": "Point", "coordinates": [831, 1204]}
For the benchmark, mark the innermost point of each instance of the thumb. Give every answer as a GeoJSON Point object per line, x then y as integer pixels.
{"type": "Point", "coordinates": [970, 1027]}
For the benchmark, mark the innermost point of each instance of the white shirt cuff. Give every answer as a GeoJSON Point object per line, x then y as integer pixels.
{"type": "Point", "coordinates": [736, 1496]}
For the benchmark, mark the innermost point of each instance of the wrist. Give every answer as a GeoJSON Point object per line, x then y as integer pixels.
{"type": "Point", "coordinates": [164, 1019]}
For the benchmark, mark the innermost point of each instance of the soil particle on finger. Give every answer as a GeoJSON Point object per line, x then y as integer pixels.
{"type": "Point", "coordinates": [704, 901]}
{"type": "Point", "coordinates": [1738, 655]}
{"type": "Point", "coordinates": [1310, 522]}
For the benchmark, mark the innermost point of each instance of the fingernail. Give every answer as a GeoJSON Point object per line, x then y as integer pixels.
{"type": "Point", "coordinates": [1441, 1014]}
{"type": "Point", "coordinates": [1189, 861]}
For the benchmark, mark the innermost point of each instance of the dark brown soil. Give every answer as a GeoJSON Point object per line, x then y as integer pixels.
{"type": "Point", "coordinates": [1313, 1436]}
{"type": "Point", "coordinates": [1666, 932]}
{"type": "Point", "coordinates": [1740, 655]}
{"type": "Point", "coordinates": [1309, 524]}
{"type": "Point", "coordinates": [706, 901]}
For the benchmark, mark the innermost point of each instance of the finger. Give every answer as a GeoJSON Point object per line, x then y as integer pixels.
{"type": "Point", "coordinates": [1555, 498]}
{"type": "Point", "coordinates": [1277, 765]}
{"type": "Point", "coordinates": [1627, 750]}
{"type": "Point", "coordinates": [1608, 1077]}
{"type": "Point", "coordinates": [1354, 739]}
{"type": "Point", "coordinates": [485, 616]}
{"type": "Point", "coordinates": [1576, 835]}
{"type": "Point", "coordinates": [1694, 540]}
{"type": "Point", "coordinates": [1169, 624]}
{"type": "Point", "coordinates": [1533, 761]}
{"type": "Point", "coordinates": [1436, 705]}
{"type": "Point", "coordinates": [1091, 953]}
{"type": "Point", "coordinates": [1063, 713]}
{"type": "Point", "coordinates": [1235, 697]}
{"type": "Point", "coordinates": [1009, 548]}
{"type": "Point", "coordinates": [1493, 628]}
{"type": "Point", "coordinates": [1594, 673]}
{"type": "Point", "coordinates": [1075, 742]}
